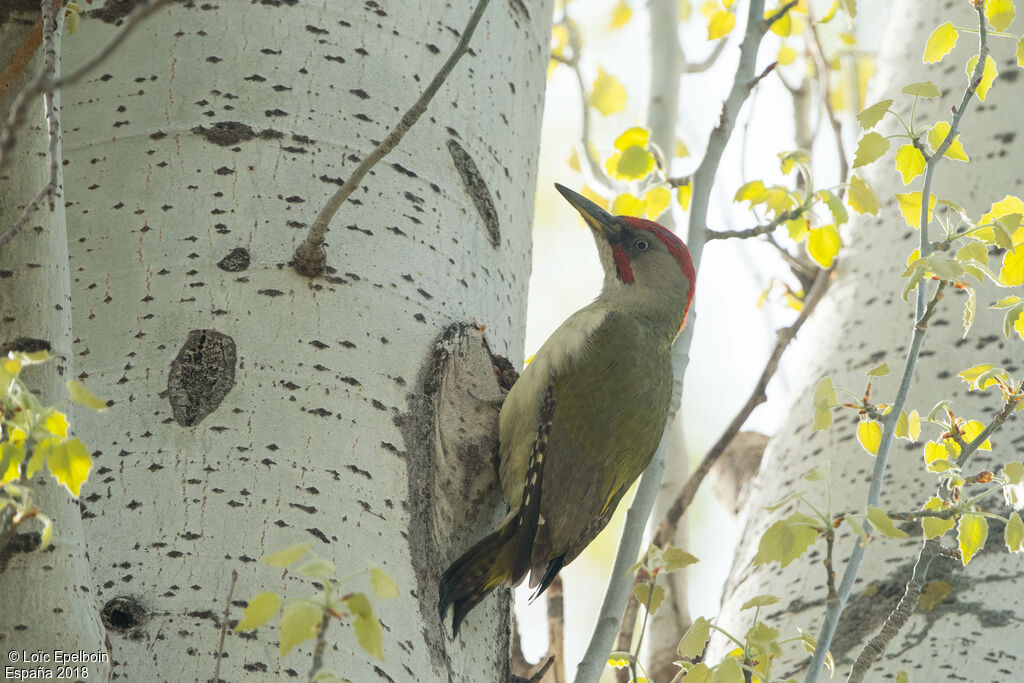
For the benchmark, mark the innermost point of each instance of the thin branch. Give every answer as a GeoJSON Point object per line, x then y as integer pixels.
{"type": "Point", "coordinates": [310, 259]}
{"type": "Point", "coordinates": [823, 77]}
{"type": "Point", "coordinates": [556, 629]}
{"type": "Point", "coordinates": [19, 61]}
{"type": "Point", "coordinates": [1002, 416]}
{"type": "Point", "coordinates": [668, 525]}
{"type": "Point", "coordinates": [899, 616]}
{"type": "Point", "coordinates": [830, 572]}
{"type": "Point", "coordinates": [834, 608]}
{"type": "Point", "coordinates": [783, 217]}
{"type": "Point", "coordinates": [707, 62]}
{"type": "Point", "coordinates": [224, 626]}
{"type": "Point", "coordinates": [319, 647]}
{"type": "Point", "coordinates": [47, 84]}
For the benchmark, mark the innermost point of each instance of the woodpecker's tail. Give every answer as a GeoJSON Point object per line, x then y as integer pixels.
{"type": "Point", "coordinates": [476, 573]}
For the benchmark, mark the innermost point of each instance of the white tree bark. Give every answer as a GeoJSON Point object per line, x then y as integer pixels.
{"type": "Point", "coordinates": [254, 408]}
{"type": "Point", "coordinates": [973, 633]}
{"type": "Point", "coordinates": [46, 598]}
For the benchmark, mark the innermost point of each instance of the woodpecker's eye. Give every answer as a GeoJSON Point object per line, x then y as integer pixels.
{"type": "Point", "coordinates": [641, 245]}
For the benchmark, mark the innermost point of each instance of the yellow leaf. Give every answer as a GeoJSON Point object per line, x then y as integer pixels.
{"type": "Point", "coordinates": [84, 397]}
{"type": "Point", "coordinates": [681, 152]}
{"type": "Point", "coordinates": [300, 621]}
{"type": "Point", "coordinates": [938, 133]}
{"type": "Point", "coordinates": [1012, 272]}
{"type": "Point", "coordinates": [914, 426]}
{"type": "Point", "coordinates": [574, 161]}
{"type": "Point", "coordinates": [869, 433]}
{"type": "Point", "coordinates": [823, 244]}
{"type": "Point", "coordinates": [632, 164]}
{"type": "Point", "coordinates": [683, 194]}
{"type": "Point", "coordinates": [621, 15]}
{"type": "Point", "coordinates": [1014, 534]}
{"type": "Point", "coordinates": [988, 74]}
{"type": "Point", "coordinates": [909, 162]}
{"type": "Point", "coordinates": [787, 55]}
{"type": "Point", "coordinates": [1000, 13]}
{"type": "Point", "coordinates": [628, 205]}
{"type": "Point", "coordinates": [286, 556]}
{"type": "Point", "coordinates": [656, 201]}
{"type": "Point", "coordinates": [862, 198]}
{"type": "Point", "coordinates": [259, 611]}
{"type": "Point", "coordinates": [685, 10]}
{"type": "Point", "coordinates": [883, 524]}
{"type": "Point", "coordinates": [934, 527]}
{"type": "Point", "coordinates": [720, 24]}
{"type": "Point", "coordinates": [70, 463]}
{"type": "Point", "coordinates": [1020, 52]}
{"type": "Point", "coordinates": [940, 43]}
{"type": "Point", "coordinates": [1004, 207]}
{"type": "Point", "coordinates": [608, 94]}
{"type": "Point", "coordinates": [784, 26]}
{"type": "Point", "coordinates": [830, 14]}
{"type": "Point", "coordinates": [749, 191]}
{"type": "Point", "coordinates": [972, 532]}
{"type": "Point", "coordinates": [383, 585]}
{"type": "Point", "coordinates": [13, 454]}
{"type": "Point", "coordinates": [708, 7]}
{"type": "Point", "coordinates": [972, 430]}
{"type": "Point", "coordinates": [910, 207]}
{"type": "Point", "coordinates": [635, 136]}
{"type": "Point", "coordinates": [798, 229]}
{"type": "Point", "coordinates": [57, 423]}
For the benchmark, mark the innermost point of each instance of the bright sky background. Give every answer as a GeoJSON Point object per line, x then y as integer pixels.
{"type": "Point", "coordinates": [733, 337]}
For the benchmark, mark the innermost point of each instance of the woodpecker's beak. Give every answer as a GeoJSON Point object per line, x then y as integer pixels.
{"type": "Point", "coordinates": [599, 220]}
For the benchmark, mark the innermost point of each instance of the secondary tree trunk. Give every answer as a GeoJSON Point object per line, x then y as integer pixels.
{"type": "Point", "coordinates": [969, 629]}
{"type": "Point", "coordinates": [254, 408]}
{"type": "Point", "coordinates": [46, 599]}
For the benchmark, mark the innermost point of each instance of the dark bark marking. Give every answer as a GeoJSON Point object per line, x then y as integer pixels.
{"type": "Point", "coordinates": [201, 375]}
{"type": "Point", "coordinates": [475, 185]}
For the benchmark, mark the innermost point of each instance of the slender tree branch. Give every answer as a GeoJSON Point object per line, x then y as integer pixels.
{"type": "Point", "coordinates": [675, 513]}
{"type": "Point", "coordinates": [224, 626]}
{"type": "Point", "coordinates": [319, 647]}
{"type": "Point", "coordinates": [997, 422]}
{"type": "Point", "coordinates": [783, 217]}
{"type": "Point", "coordinates": [556, 629]}
{"type": "Point", "coordinates": [310, 259]}
{"type": "Point", "coordinates": [834, 608]}
{"type": "Point", "coordinates": [707, 62]}
{"type": "Point", "coordinates": [19, 61]}
{"type": "Point", "coordinates": [899, 616]}
{"type": "Point", "coordinates": [47, 84]}
{"type": "Point", "coordinates": [826, 86]}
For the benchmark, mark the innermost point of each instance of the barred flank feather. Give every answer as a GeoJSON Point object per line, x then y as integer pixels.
{"type": "Point", "coordinates": [528, 518]}
{"type": "Point", "coordinates": [476, 573]}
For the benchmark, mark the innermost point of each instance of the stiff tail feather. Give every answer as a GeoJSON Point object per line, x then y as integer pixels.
{"type": "Point", "coordinates": [476, 573]}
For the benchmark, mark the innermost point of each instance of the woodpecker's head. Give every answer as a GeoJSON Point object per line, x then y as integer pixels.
{"type": "Point", "coordinates": [646, 267]}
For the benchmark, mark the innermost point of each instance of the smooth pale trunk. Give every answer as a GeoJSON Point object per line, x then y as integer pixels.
{"type": "Point", "coordinates": [46, 599]}
{"type": "Point", "coordinates": [970, 629]}
{"type": "Point", "coordinates": [224, 127]}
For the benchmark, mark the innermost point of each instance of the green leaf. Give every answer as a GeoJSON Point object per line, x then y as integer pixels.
{"type": "Point", "coordinates": [862, 198]}
{"type": "Point", "coordinates": [1014, 535]}
{"type": "Point", "coordinates": [902, 430]}
{"type": "Point", "coordinates": [824, 400]}
{"type": "Point", "coordinates": [870, 117]}
{"type": "Point", "coordinates": [1020, 52]}
{"type": "Point", "coordinates": [835, 206]}
{"type": "Point", "coordinates": [693, 641]}
{"type": "Point", "coordinates": [971, 375]}
{"type": "Point", "coordinates": [909, 162]}
{"type": "Point", "coordinates": [823, 244]}
{"type": "Point", "coordinates": [46, 535]}
{"type": "Point", "coordinates": [925, 89]}
{"type": "Point", "coordinates": [70, 463]}
{"type": "Point", "coordinates": [787, 539]}
{"type": "Point", "coordinates": [635, 163]}
{"type": "Point", "coordinates": [870, 148]}
{"type": "Point", "coordinates": [879, 370]}
{"type": "Point", "coordinates": [883, 524]}
{"type": "Point", "coordinates": [259, 611]}
{"type": "Point", "coordinates": [698, 673]}
{"type": "Point", "coordinates": [300, 621]}
{"type": "Point", "coordinates": [988, 74]}
{"type": "Point", "coordinates": [370, 635]}
{"type": "Point", "coordinates": [869, 434]}
{"type": "Point", "coordinates": [316, 569]}
{"type": "Point", "coordinates": [902, 676]}
{"type": "Point", "coordinates": [762, 635]}
{"type": "Point", "coordinates": [1013, 489]}
{"type": "Point", "coordinates": [384, 586]}
{"type": "Point", "coordinates": [938, 133]}
{"type": "Point", "coordinates": [642, 591]}
{"type": "Point", "coordinates": [759, 601]}
{"type": "Point", "coordinates": [934, 527]}
{"type": "Point", "coordinates": [1013, 319]}
{"type": "Point", "coordinates": [810, 644]}
{"type": "Point", "coordinates": [283, 558]}
{"type": "Point", "coordinates": [677, 558]}
{"type": "Point", "coordinates": [940, 43]}
{"type": "Point", "coordinates": [84, 397]}
{"type": "Point", "coordinates": [1000, 13]}
{"type": "Point", "coordinates": [359, 604]}
{"type": "Point", "coordinates": [971, 534]}
{"type": "Point", "coordinates": [729, 671]}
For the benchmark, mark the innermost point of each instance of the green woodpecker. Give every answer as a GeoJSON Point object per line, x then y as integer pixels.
{"type": "Point", "coordinates": [586, 415]}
